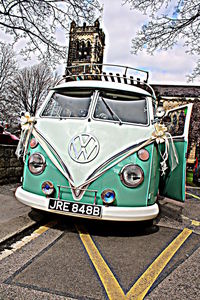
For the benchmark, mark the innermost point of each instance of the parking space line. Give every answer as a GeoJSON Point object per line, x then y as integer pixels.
{"type": "Point", "coordinates": [194, 196]}
{"type": "Point", "coordinates": [195, 223]}
{"type": "Point", "coordinates": [144, 283]}
{"type": "Point", "coordinates": [44, 228]}
{"type": "Point", "coordinates": [110, 283]}
{"type": "Point", "coordinates": [192, 222]}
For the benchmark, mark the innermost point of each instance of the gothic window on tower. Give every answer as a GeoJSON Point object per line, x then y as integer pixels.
{"type": "Point", "coordinates": [83, 51]}
{"type": "Point", "coordinates": [77, 50]}
{"type": "Point", "coordinates": [88, 50]}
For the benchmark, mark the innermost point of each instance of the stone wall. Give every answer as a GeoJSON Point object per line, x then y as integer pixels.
{"type": "Point", "coordinates": [11, 168]}
{"type": "Point", "coordinates": [178, 91]}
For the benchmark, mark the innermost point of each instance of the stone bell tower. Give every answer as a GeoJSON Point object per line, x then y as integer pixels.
{"type": "Point", "coordinates": [86, 45]}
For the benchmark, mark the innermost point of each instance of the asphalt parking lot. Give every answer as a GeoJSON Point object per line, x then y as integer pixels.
{"type": "Point", "coordinates": [70, 258]}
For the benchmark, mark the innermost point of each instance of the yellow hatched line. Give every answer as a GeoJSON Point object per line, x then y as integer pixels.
{"type": "Point", "coordinates": [193, 195]}
{"type": "Point", "coordinates": [144, 283]}
{"type": "Point", "coordinates": [109, 281]}
{"type": "Point", "coordinates": [195, 223]}
{"type": "Point", "coordinates": [44, 228]}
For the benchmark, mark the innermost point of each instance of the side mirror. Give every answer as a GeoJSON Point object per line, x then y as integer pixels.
{"type": "Point", "coordinates": [160, 112]}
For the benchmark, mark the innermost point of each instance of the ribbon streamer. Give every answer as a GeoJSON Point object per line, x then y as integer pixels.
{"type": "Point", "coordinates": [160, 135]}
{"type": "Point", "coordinates": [27, 123]}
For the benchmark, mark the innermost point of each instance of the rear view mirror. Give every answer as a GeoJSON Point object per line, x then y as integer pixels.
{"type": "Point", "coordinates": [160, 112]}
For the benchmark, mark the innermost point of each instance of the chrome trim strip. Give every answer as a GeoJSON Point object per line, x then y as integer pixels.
{"type": "Point", "coordinates": [78, 196]}
{"type": "Point", "coordinates": [56, 154]}
{"type": "Point", "coordinates": [111, 159]}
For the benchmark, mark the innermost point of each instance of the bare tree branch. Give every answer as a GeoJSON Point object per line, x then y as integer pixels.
{"type": "Point", "coordinates": [30, 86]}
{"type": "Point", "coordinates": [168, 24]}
{"type": "Point", "coordinates": [38, 20]}
{"type": "Point", "coordinates": [21, 89]}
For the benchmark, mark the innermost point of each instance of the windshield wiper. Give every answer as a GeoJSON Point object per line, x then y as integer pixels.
{"type": "Point", "coordinates": [111, 111]}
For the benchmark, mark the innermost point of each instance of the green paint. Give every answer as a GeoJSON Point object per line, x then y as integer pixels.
{"type": "Point", "coordinates": [125, 197]}
{"type": "Point", "coordinates": [173, 183]}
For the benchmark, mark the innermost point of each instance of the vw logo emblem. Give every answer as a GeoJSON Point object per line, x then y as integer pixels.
{"type": "Point", "coordinates": [83, 148]}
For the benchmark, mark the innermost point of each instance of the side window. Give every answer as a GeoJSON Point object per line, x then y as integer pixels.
{"type": "Point", "coordinates": [175, 121]}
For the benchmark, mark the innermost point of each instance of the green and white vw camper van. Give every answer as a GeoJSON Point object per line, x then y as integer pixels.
{"type": "Point", "coordinates": [96, 148]}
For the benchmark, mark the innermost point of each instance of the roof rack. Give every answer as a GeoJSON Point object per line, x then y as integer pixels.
{"type": "Point", "coordinates": [110, 73]}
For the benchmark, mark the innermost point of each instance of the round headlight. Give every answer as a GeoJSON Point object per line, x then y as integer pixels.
{"type": "Point", "coordinates": [132, 176]}
{"type": "Point", "coordinates": [47, 188]}
{"type": "Point", "coordinates": [36, 163]}
{"type": "Point", "coordinates": [108, 196]}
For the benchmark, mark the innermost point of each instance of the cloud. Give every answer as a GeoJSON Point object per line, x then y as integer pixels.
{"type": "Point", "coordinates": [121, 25]}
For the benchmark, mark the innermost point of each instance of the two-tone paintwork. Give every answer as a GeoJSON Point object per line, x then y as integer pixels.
{"type": "Point", "coordinates": [114, 141]}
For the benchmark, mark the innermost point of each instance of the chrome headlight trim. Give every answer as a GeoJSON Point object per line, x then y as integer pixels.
{"type": "Point", "coordinates": [136, 171]}
{"type": "Point", "coordinates": [105, 194]}
{"type": "Point", "coordinates": [48, 188]}
{"type": "Point", "coordinates": [36, 163]}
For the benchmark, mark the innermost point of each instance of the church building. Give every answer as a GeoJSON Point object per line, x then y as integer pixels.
{"type": "Point", "coordinates": [86, 45]}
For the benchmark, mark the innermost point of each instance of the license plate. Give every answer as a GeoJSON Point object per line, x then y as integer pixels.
{"type": "Point", "coordinates": [75, 208]}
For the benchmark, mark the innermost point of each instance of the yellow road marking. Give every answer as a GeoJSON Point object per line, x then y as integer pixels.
{"type": "Point", "coordinates": [109, 281]}
{"type": "Point", "coordinates": [195, 223]}
{"type": "Point", "coordinates": [144, 283]}
{"type": "Point", "coordinates": [193, 195]}
{"type": "Point", "coordinates": [44, 228]}
{"type": "Point", "coordinates": [18, 245]}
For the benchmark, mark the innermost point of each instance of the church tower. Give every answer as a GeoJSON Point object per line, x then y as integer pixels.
{"type": "Point", "coordinates": [86, 45]}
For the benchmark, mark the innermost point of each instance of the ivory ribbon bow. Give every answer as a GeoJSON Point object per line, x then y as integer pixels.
{"type": "Point", "coordinates": [160, 135]}
{"type": "Point", "coordinates": [27, 123]}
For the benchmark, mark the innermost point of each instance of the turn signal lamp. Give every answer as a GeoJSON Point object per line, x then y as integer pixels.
{"type": "Point", "coordinates": [108, 196]}
{"type": "Point", "coordinates": [47, 188]}
{"type": "Point", "coordinates": [143, 154]}
{"type": "Point", "coordinates": [33, 143]}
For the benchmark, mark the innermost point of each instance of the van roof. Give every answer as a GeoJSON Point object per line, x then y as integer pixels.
{"type": "Point", "coordinates": [102, 84]}
{"type": "Point", "coordinates": [107, 76]}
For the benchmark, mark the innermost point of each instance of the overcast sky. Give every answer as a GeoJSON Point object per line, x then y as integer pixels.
{"type": "Point", "coordinates": [120, 25]}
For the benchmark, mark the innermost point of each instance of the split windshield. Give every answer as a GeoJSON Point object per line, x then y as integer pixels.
{"type": "Point", "coordinates": [122, 108]}
{"type": "Point", "coordinates": [110, 105]}
{"type": "Point", "coordinates": [68, 104]}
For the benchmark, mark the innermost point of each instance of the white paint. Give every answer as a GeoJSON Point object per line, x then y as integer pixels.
{"type": "Point", "coordinates": [112, 137]}
{"type": "Point", "coordinates": [108, 213]}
